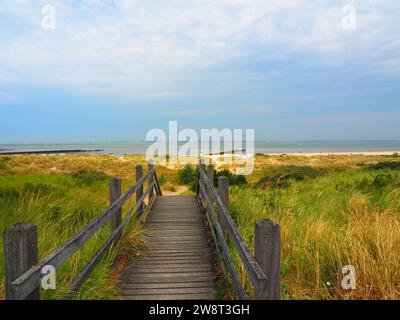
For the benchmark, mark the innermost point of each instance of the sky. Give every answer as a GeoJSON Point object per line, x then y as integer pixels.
{"type": "Point", "coordinates": [104, 70]}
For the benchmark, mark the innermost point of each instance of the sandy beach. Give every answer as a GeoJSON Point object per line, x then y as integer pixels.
{"type": "Point", "coordinates": [351, 153]}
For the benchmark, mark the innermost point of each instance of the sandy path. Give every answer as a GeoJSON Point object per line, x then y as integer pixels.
{"type": "Point", "coordinates": [179, 190]}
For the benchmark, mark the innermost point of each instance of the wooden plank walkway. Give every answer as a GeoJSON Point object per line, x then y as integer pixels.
{"type": "Point", "coordinates": [179, 264]}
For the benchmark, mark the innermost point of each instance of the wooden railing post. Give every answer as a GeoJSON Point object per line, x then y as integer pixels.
{"type": "Point", "coordinates": [139, 192]}
{"type": "Point", "coordinates": [202, 167]}
{"type": "Point", "coordinates": [210, 176]}
{"type": "Point", "coordinates": [267, 244]}
{"type": "Point", "coordinates": [223, 192]}
{"type": "Point", "coordinates": [210, 173]}
{"type": "Point", "coordinates": [151, 167]}
{"type": "Point", "coordinates": [20, 254]}
{"type": "Point", "coordinates": [115, 193]}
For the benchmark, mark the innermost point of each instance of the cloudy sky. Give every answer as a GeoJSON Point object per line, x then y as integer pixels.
{"type": "Point", "coordinates": [112, 70]}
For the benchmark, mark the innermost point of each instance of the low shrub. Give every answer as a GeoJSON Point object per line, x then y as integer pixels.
{"type": "Point", "coordinates": [281, 177]}
{"type": "Point", "coordinates": [9, 193]}
{"type": "Point", "coordinates": [234, 179]}
{"type": "Point", "coordinates": [169, 187]}
{"type": "Point", "coordinates": [161, 179]}
{"type": "Point", "coordinates": [30, 187]}
{"type": "Point", "coordinates": [186, 175]}
{"type": "Point", "coordinates": [391, 165]}
{"type": "Point", "coordinates": [88, 177]}
{"type": "Point", "coordinates": [379, 182]}
{"type": "Point", "coordinates": [4, 163]}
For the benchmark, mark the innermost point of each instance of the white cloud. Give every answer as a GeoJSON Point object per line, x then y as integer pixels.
{"type": "Point", "coordinates": [132, 48]}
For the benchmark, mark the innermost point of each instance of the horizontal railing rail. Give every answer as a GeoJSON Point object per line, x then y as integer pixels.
{"type": "Point", "coordinates": [263, 270]}
{"type": "Point", "coordinates": [28, 280]}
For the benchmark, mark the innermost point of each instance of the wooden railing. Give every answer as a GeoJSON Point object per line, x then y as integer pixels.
{"type": "Point", "coordinates": [22, 272]}
{"type": "Point", "coordinates": [263, 268]}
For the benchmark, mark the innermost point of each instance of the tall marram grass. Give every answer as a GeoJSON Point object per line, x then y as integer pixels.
{"type": "Point", "coordinates": [345, 210]}
{"type": "Point", "coordinates": [61, 204]}
{"type": "Point", "coordinates": [328, 222]}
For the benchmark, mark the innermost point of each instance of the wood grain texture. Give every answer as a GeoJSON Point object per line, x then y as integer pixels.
{"type": "Point", "coordinates": [179, 264]}
{"type": "Point", "coordinates": [20, 254]}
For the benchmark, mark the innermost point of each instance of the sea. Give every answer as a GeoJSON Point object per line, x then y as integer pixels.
{"type": "Point", "coordinates": [279, 147]}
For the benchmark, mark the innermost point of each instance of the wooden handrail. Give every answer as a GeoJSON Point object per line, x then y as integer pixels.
{"type": "Point", "coordinates": [253, 268]}
{"type": "Point", "coordinates": [79, 280]}
{"type": "Point", "coordinates": [26, 283]}
{"type": "Point", "coordinates": [225, 250]}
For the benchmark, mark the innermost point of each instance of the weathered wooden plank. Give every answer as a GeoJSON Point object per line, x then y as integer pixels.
{"type": "Point", "coordinates": [199, 284]}
{"type": "Point", "coordinates": [179, 250]}
{"type": "Point", "coordinates": [169, 291]}
{"type": "Point", "coordinates": [185, 226]}
{"type": "Point", "coordinates": [177, 247]}
{"type": "Point", "coordinates": [176, 254]}
{"type": "Point", "coordinates": [179, 242]}
{"type": "Point", "coordinates": [158, 241]}
{"type": "Point", "coordinates": [172, 201]}
{"type": "Point", "coordinates": [170, 268]}
{"type": "Point", "coordinates": [179, 260]}
{"type": "Point", "coordinates": [154, 271]}
{"type": "Point", "coordinates": [157, 184]}
{"type": "Point", "coordinates": [187, 274]}
{"type": "Point", "coordinates": [139, 191]}
{"type": "Point", "coordinates": [151, 179]}
{"type": "Point", "coordinates": [20, 254]}
{"type": "Point", "coordinates": [183, 261]}
{"type": "Point", "coordinates": [267, 253]}
{"type": "Point", "coordinates": [186, 296]}
{"type": "Point", "coordinates": [168, 264]}
{"type": "Point", "coordinates": [115, 187]}
{"type": "Point", "coordinates": [178, 238]}
{"type": "Point", "coordinates": [223, 192]}
{"type": "Point", "coordinates": [170, 279]}
{"type": "Point", "coordinates": [176, 232]}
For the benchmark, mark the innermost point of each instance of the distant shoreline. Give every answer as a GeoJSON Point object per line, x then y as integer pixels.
{"type": "Point", "coordinates": [336, 153]}
{"type": "Point", "coordinates": [46, 152]}
{"type": "Point", "coordinates": [296, 154]}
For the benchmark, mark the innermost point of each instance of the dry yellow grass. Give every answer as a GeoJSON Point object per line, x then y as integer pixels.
{"type": "Point", "coordinates": [323, 227]}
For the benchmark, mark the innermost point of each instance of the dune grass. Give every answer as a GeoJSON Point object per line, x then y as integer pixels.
{"type": "Point", "coordinates": [61, 200]}
{"type": "Point", "coordinates": [333, 211]}
{"type": "Point", "coordinates": [342, 217]}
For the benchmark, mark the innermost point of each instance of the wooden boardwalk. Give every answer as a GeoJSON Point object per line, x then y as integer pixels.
{"type": "Point", "coordinates": [179, 264]}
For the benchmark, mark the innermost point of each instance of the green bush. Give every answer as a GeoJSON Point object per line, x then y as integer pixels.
{"type": "Point", "coordinates": [187, 175]}
{"type": "Point", "coordinates": [88, 177]}
{"type": "Point", "coordinates": [234, 179]}
{"type": "Point", "coordinates": [391, 165]}
{"type": "Point", "coordinates": [4, 163]}
{"type": "Point", "coordinates": [161, 179]}
{"type": "Point", "coordinates": [281, 177]}
{"type": "Point", "coordinates": [30, 187]}
{"type": "Point", "coordinates": [378, 183]}
{"type": "Point", "coordinates": [10, 193]}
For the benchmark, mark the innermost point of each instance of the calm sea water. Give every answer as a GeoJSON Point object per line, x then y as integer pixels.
{"type": "Point", "coordinates": [131, 147]}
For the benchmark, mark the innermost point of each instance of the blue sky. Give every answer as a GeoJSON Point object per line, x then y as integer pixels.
{"type": "Point", "coordinates": [112, 70]}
